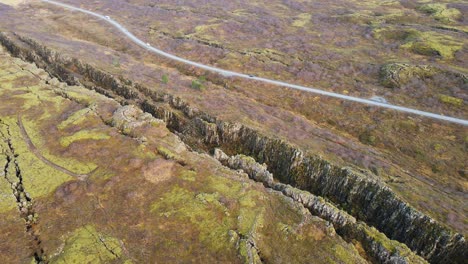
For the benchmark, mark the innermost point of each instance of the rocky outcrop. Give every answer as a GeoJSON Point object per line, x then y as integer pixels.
{"type": "Point", "coordinates": [395, 75]}
{"type": "Point", "coordinates": [361, 195]}
{"type": "Point", "coordinates": [376, 244]}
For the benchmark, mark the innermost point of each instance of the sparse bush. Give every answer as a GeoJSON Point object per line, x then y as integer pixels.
{"type": "Point", "coordinates": [368, 138]}
{"type": "Point", "coordinates": [198, 84]}
{"type": "Point", "coordinates": [438, 147]}
{"type": "Point", "coordinates": [165, 79]}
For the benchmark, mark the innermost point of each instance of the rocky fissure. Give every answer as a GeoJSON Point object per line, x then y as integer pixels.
{"type": "Point", "coordinates": [12, 174]}
{"type": "Point", "coordinates": [360, 194]}
{"type": "Point", "coordinates": [382, 249]}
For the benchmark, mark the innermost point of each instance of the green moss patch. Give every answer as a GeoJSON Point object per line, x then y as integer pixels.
{"type": "Point", "coordinates": [83, 135]}
{"type": "Point", "coordinates": [302, 20]}
{"type": "Point", "coordinates": [39, 179]}
{"type": "Point", "coordinates": [202, 210]}
{"type": "Point", "coordinates": [434, 44]}
{"type": "Point", "coordinates": [450, 100]}
{"type": "Point", "coordinates": [441, 12]}
{"type": "Point", "coordinates": [74, 118]}
{"type": "Point", "coordinates": [428, 43]}
{"type": "Point", "coordinates": [344, 255]}
{"type": "Point", "coordinates": [87, 245]}
{"type": "Point", "coordinates": [34, 132]}
{"type": "Point", "coordinates": [188, 175]}
{"type": "Point", "coordinates": [396, 34]}
{"type": "Point", "coordinates": [166, 153]}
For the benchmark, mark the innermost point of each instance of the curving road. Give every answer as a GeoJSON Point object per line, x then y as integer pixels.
{"type": "Point", "coordinates": [227, 73]}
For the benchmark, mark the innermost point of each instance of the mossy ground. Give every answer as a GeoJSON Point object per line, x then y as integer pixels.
{"type": "Point", "coordinates": [434, 44]}
{"type": "Point", "coordinates": [39, 179]}
{"type": "Point", "coordinates": [83, 135]}
{"type": "Point", "coordinates": [441, 12]}
{"type": "Point", "coordinates": [87, 245]}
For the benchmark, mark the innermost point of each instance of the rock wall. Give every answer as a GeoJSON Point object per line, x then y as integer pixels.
{"type": "Point", "coordinates": [378, 246]}
{"type": "Point", "coordinates": [362, 196]}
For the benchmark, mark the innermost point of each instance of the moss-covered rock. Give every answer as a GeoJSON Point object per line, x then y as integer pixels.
{"type": "Point", "coordinates": [441, 12]}
{"type": "Point", "coordinates": [395, 75]}
{"type": "Point", "coordinates": [434, 44]}
{"type": "Point", "coordinates": [395, 34]}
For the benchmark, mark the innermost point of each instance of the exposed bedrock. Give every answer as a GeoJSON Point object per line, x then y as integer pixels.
{"type": "Point", "coordinates": [377, 245]}
{"type": "Point", "coordinates": [361, 195]}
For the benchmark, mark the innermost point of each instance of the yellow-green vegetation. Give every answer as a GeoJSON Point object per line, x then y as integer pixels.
{"type": "Point", "coordinates": [39, 179]}
{"type": "Point", "coordinates": [450, 100]}
{"type": "Point", "coordinates": [34, 132]}
{"type": "Point", "coordinates": [438, 147]}
{"type": "Point", "coordinates": [87, 245]}
{"type": "Point", "coordinates": [166, 153]}
{"type": "Point", "coordinates": [390, 245]}
{"type": "Point", "coordinates": [343, 255]}
{"type": "Point", "coordinates": [211, 216]}
{"type": "Point", "coordinates": [188, 175]}
{"type": "Point", "coordinates": [251, 212]}
{"type": "Point", "coordinates": [203, 210]}
{"type": "Point", "coordinates": [165, 79]}
{"type": "Point", "coordinates": [429, 43]}
{"type": "Point", "coordinates": [204, 33]}
{"type": "Point", "coordinates": [75, 118]}
{"type": "Point", "coordinates": [396, 34]}
{"type": "Point", "coordinates": [434, 44]}
{"type": "Point", "coordinates": [301, 20]}
{"type": "Point", "coordinates": [83, 135]}
{"type": "Point", "coordinates": [43, 102]}
{"type": "Point", "coordinates": [144, 152]}
{"type": "Point", "coordinates": [80, 95]}
{"type": "Point", "coordinates": [37, 96]}
{"type": "Point", "coordinates": [228, 188]}
{"type": "Point", "coordinates": [200, 29]}
{"type": "Point", "coordinates": [199, 84]}
{"type": "Point", "coordinates": [441, 12]}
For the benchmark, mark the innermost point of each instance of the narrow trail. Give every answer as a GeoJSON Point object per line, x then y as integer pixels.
{"type": "Point", "coordinates": [38, 154]}
{"type": "Point", "coordinates": [227, 73]}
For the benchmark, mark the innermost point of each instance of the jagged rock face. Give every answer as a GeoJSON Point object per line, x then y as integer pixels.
{"type": "Point", "coordinates": [361, 195]}
{"type": "Point", "coordinates": [379, 247]}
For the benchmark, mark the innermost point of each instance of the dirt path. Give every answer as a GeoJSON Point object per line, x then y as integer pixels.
{"type": "Point", "coordinates": [38, 154]}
